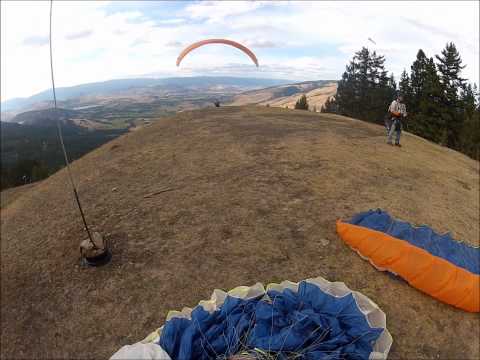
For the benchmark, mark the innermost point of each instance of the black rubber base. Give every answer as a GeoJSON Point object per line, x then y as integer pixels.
{"type": "Point", "coordinates": [99, 260]}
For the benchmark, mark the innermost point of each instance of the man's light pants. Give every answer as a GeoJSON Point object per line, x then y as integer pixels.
{"type": "Point", "coordinates": [397, 124]}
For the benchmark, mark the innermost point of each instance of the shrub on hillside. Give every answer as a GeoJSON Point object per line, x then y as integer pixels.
{"type": "Point", "coordinates": [329, 106]}
{"type": "Point", "coordinates": [302, 103]}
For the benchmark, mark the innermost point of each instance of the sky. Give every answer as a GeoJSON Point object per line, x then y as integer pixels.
{"type": "Point", "coordinates": [296, 40]}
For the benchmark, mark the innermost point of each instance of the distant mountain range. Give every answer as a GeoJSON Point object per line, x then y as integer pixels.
{"type": "Point", "coordinates": [92, 114]}
{"type": "Point", "coordinates": [123, 85]}
{"type": "Point", "coordinates": [129, 103]}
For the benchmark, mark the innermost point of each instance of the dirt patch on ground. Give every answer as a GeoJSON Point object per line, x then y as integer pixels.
{"type": "Point", "coordinates": [256, 195]}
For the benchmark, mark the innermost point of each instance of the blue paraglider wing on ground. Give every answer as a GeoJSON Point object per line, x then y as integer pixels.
{"type": "Point", "coordinates": [309, 323]}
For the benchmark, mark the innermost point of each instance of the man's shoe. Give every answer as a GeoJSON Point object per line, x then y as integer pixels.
{"type": "Point", "coordinates": [398, 145]}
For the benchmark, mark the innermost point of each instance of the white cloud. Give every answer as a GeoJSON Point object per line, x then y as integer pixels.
{"type": "Point", "coordinates": [35, 41]}
{"type": "Point", "coordinates": [296, 40]}
{"type": "Point", "coordinates": [261, 43]}
{"type": "Point", "coordinates": [79, 35]}
{"type": "Point", "coordinates": [176, 21]}
{"type": "Point", "coordinates": [173, 43]}
{"type": "Point", "coordinates": [219, 11]}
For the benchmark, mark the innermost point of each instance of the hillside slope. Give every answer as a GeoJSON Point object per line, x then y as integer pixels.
{"type": "Point", "coordinates": [317, 93]}
{"type": "Point", "coordinates": [255, 193]}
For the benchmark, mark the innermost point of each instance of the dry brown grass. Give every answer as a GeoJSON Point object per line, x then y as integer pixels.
{"type": "Point", "coordinates": [257, 193]}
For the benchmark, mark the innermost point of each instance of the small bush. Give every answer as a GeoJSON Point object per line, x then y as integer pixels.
{"type": "Point", "coordinates": [302, 103]}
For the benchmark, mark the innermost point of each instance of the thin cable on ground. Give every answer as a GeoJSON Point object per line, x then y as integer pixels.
{"type": "Point", "coordinates": [59, 129]}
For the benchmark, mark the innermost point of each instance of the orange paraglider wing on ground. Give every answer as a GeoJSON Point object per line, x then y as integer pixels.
{"type": "Point", "coordinates": [217, 41]}
{"type": "Point", "coordinates": [436, 264]}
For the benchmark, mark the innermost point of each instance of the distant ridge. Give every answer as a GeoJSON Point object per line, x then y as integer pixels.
{"type": "Point", "coordinates": [286, 95]}
{"type": "Point", "coordinates": [113, 86]}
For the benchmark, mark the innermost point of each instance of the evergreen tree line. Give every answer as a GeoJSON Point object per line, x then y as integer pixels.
{"type": "Point", "coordinates": [30, 153]}
{"type": "Point", "coordinates": [442, 106]}
{"type": "Point", "coordinates": [23, 172]}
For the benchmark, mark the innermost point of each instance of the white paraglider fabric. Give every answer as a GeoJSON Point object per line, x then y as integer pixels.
{"type": "Point", "coordinates": [140, 351]}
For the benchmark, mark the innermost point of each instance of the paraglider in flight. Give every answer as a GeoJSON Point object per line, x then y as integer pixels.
{"type": "Point", "coordinates": [217, 41]}
{"type": "Point", "coordinates": [370, 39]}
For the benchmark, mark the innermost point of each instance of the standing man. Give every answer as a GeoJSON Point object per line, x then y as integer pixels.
{"type": "Point", "coordinates": [397, 111]}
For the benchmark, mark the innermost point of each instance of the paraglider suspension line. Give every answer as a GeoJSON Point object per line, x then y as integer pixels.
{"type": "Point", "coordinates": [59, 130]}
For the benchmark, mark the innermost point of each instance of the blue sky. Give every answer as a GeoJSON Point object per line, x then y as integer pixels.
{"type": "Point", "coordinates": [97, 41]}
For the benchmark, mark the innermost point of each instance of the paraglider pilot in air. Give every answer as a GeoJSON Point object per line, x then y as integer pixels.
{"type": "Point", "coordinates": [397, 111]}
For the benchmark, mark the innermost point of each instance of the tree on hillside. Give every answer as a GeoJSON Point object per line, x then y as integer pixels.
{"type": "Point", "coordinates": [365, 89]}
{"type": "Point", "coordinates": [24, 171]}
{"type": "Point", "coordinates": [346, 97]}
{"type": "Point", "coordinates": [450, 67]}
{"type": "Point", "coordinates": [470, 133]}
{"type": "Point", "coordinates": [424, 99]}
{"type": "Point", "coordinates": [468, 98]}
{"type": "Point", "coordinates": [476, 91]}
{"type": "Point", "coordinates": [417, 79]}
{"type": "Point", "coordinates": [302, 103]}
{"type": "Point", "coordinates": [329, 106]}
{"type": "Point", "coordinates": [404, 87]}
{"type": "Point", "coordinates": [392, 86]}
{"type": "Point", "coordinates": [430, 121]}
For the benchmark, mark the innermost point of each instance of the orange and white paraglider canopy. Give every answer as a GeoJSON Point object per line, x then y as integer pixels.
{"type": "Point", "coordinates": [217, 41]}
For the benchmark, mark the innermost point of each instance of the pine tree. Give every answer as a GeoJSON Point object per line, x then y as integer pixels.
{"type": "Point", "coordinates": [329, 106]}
{"type": "Point", "coordinates": [365, 89]}
{"type": "Point", "coordinates": [417, 79]}
{"type": "Point", "coordinates": [423, 98]}
{"type": "Point", "coordinates": [476, 92]}
{"type": "Point", "coordinates": [345, 98]}
{"type": "Point", "coordinates": [450, 67]}
{"type": "Point", "coordinates": [470, 134]}
{"type": "Point", "coordinates": [429, 120]}
{"type": "Point", "coordinates": [404, 87]}
{"type": "Point", "coordinates": [468, 99]}
{"type": "Point", "coordinates": [392, 86]}
{"type": "Point", "coordinates": [302, 103]}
